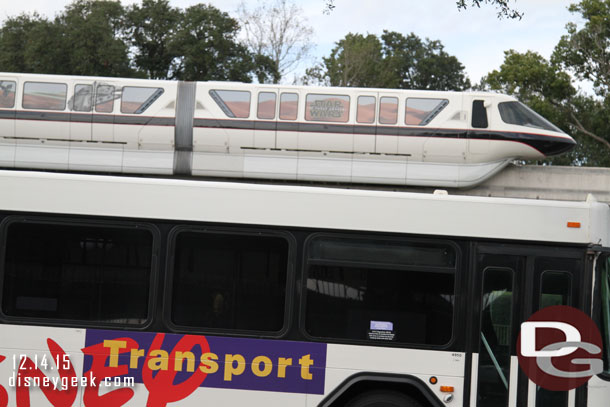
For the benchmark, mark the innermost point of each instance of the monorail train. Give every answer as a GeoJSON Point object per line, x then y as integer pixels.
{"type": "Point", "coordinates": [238, 130]}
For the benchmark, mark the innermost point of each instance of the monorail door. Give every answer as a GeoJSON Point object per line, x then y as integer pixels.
{"type": "Point", "coordinates": [511, 283]}
{"type": "Point", "coordinates": [81, 110]}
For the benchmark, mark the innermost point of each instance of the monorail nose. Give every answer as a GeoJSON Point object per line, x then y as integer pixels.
{"type": "Point", "coordinates": [556, 145]}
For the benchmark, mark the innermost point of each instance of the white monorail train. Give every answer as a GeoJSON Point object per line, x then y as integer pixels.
{"type": "Point", "coordinates": [237, 130]}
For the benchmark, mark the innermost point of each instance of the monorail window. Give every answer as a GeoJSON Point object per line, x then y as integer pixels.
{"type": "Point", "coordinates": [327, 108]}
{"type": "Point", "coordinates": [135, 99]}
{"type": "Point", "coordinates": [289, 103]}
{"type": "Point", "coordinates": [521, 115]}
{"type": "Point", "coordinates": [266, 105]}
{"type": "Point", "coordinates": [234, 103]}
{"type": "Point", "coordinates": [83, 95]}
{"type": "Point", "coordinates": [104, 99]}
{"type": "Point", "coordinates": [479, 115]}
{"type": "Point", "coordinates": [7, 94]}
{"type": "Point", "coordinates": [388, 110]}
{"type": "Point", "coordinates": [70, 272]}
{"type": "Point", "coordinates": [366, 109]}
{"type": "Point", "coordinates": [229, 281]}
{"type": "Point", "coordinates": [44, 95]}
{"type": "Point", "coordinates": [421, 111]}
{"type": "Point", "coordinates": [380, 290]}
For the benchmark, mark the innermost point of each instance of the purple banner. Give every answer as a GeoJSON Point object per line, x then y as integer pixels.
{"type": "Point", "coordinates": [180, 361]}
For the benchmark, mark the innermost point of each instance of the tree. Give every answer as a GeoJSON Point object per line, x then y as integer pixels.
{"type": "Point", "coordinates": [503, 7]}
{"type": "Point", "coordinates": [14, 37]}
{"type": "Point", "coordinates": [278, 31]}
{"type": "Point", "coordinates": [547, 89]}
{"type": "Point", "coordinates": [394, 61]}
{"type": "Point", "coordinates": [151, 29]}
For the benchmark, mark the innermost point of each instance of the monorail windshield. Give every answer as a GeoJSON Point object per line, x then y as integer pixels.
{"type": "Point", "coordinates": [521, 115]}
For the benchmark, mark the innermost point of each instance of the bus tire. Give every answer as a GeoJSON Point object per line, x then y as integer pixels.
{"type": "Point", "coordinates": [383, 398]}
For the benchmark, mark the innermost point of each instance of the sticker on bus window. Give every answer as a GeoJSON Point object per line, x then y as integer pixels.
{"type": "Point", "coordinates": [382, 331]}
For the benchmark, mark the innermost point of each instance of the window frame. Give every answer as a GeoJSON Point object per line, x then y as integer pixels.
{"type": "Point", "coordinates": [63, 220]}
{"type": "Point", "coordinates": [372, 122]}
{"type": "Point", "coordinates": [296, 115]}
{"type": "Point", "coordinates": [258, 102]}
{"type": "Point", "coordinates": [23, 94]}
{"type": "Point", "coordinates": [458, 270]}
{"type": "Point", "coordinates": [395, 122]}
{"type": "Point", "coordinates": [228, 230]}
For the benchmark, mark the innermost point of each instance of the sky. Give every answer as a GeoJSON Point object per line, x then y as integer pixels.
{"type": "Point", "coordinates": [475, 36]}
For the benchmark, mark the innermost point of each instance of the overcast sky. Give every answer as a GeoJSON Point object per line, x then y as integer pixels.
{"type": "Point", "coordinates": [476, 37]}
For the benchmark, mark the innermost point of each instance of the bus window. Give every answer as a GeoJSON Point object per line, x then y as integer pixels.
{"type": "Point", "coordinates": [421, 111]}
{"type": "Point", "coordinates": [289, 103]}
{"type": "Point", "coordinates": [388, 110]}
{"type": "Point", "coordinates": [234, 103]}
{"type": "Point", "coordinates": [366, 109]}
{"type": "Point", "coordinates": [135, 100]}
{"type": "Point", "coordinates": [67, 272]}
{"type": "Point", "coordinates": [104, 99]}
{"type": "Point", "coordinates": [378, 290]}
{"type": "Point", "coordinates": [82, 98]}
{"type": "Point", "coordinates": [327, 108]}
{"type": "Point", "coordinates": [7, 94]}
{"type": "Point", "coordinates": [266, 105]}
{"type": "Point", "coordinates": [229, 281]}
{"type": "Point", "coordinates": [44, 95]}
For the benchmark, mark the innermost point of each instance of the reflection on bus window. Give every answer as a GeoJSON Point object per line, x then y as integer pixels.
{"type": "Point", "coordinates": [289, 103]}
{"type": "Point", "coordinates": [234, 103]}
{"type": "Point", "coordinates": [7, 94]}
{"type": "Point", "coordinates": [327, 108]}
{"type": "Point", "coordinates": [135, 100]}
{"type": "Point", "coordinates": [388, 110]}
{"type": "Point", "coordinates": [366, 109]}
{"type": "Point", "coordinates": [77, 272]}
{"type": "Point", "coordinates": [226, 281]}
{"type": "Point", "coordinates": [266, 105]}
{"type": "Point", "coordinates": [421, 111]}
{"type": "Point", "coordinates": [379, 290]}
{"type": "Point", "coordinates": [521, 115]}
{"type": "Point", "coordinates": [104, 99]}
{"type": "Point", "coordinates": [83, 95]}
{"type": "Point", "coordinates": [44, 95]}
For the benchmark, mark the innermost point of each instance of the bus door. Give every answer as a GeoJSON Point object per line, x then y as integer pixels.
{"type": "Point", "coordinates": [8, 98]}
{"type": "Point", "coordinates": [513, 282]}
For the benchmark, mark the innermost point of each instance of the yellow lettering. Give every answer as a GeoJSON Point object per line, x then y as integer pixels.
{"type": "Point", "coordinates": [282, 364]}
{"type": "Point", "coordinates": [305, 362]}
{"type": "Point", "coordinates": [207, 363]}
{"type": "Point", "coordinates": [135, 355]}
{"type": "Point", "coordinates": [190, 361]}
{"type": "Point", "coordinates": [231, 370]}
{"type": "Point", "coordinates": [256, 366]}
{"type": "Point", "coordinates": [114, 351]}
{"type": "Point", "coordinates": [158, 360]}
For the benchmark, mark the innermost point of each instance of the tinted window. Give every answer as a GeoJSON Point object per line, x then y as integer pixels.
{"type": "Point", "coordinates": [104, 99]}
{"type": "Point", "coordinates": [603, 265]}
{"type": "Point", "coordinates": [7, 94]}
{"type": "Point", "coordinates": [135, 100]}
{"type": "Point", "coordinates": [366, 109]}
{"type": "Point", "coordinates": [234, 103]}
{"type": "Point", "coordinates": [44, 96]}
{"type": "Point", "coordinates": [83, 95]}
{"type": "Point", "coordinates": [327, 108]}
{"type": "Point", "coordinates": [266, 105]}
{"type": "Point", "coordinates": [380, 291]}
{"type": "Point", "coordinates": [479, 114]}
{"type": "Point", "coordinates": [421, 111]}
{"type": "Point", "coordinates": [229, 281]}
{"type": "Point", "coordinates": [388, 110]}
{"type": "Point", "coordinates": [289, 102]}
{"type": "Point", "coordinates": [521, 115]}
{"type": "Point", "coordinates": [69, 272]}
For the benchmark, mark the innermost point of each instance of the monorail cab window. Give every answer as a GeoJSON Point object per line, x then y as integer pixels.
{"type": "Point", "coordinates": [234, 103]}
{"type": "Point", "coordinates": [44, 95]}
{"type": "Point", "coordinates": [7, 94]}
{"type": "Point", "coordinates": [519, 114]}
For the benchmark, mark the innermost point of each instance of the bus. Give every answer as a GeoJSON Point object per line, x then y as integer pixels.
{"type": "Point", "coordinates": [258, 131]}
{"type": "Point", "coordinates": [139, 291]}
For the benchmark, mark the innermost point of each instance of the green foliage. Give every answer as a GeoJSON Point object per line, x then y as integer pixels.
{"type": "Point", "coordinates": [394, 61]}
{"type": "Point", "coordinates": [503, 7]}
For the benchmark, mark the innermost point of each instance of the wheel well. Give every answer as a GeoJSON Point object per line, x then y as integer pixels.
{"type": "Point", "coordinates": [355, 386]}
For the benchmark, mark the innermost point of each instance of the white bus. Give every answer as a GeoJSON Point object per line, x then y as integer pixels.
{"type": "Point", "coordinates": [164, 292]}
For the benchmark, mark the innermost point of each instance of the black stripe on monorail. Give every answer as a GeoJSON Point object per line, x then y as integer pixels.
{"type": "Point", "coordinates": [547, 145]}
